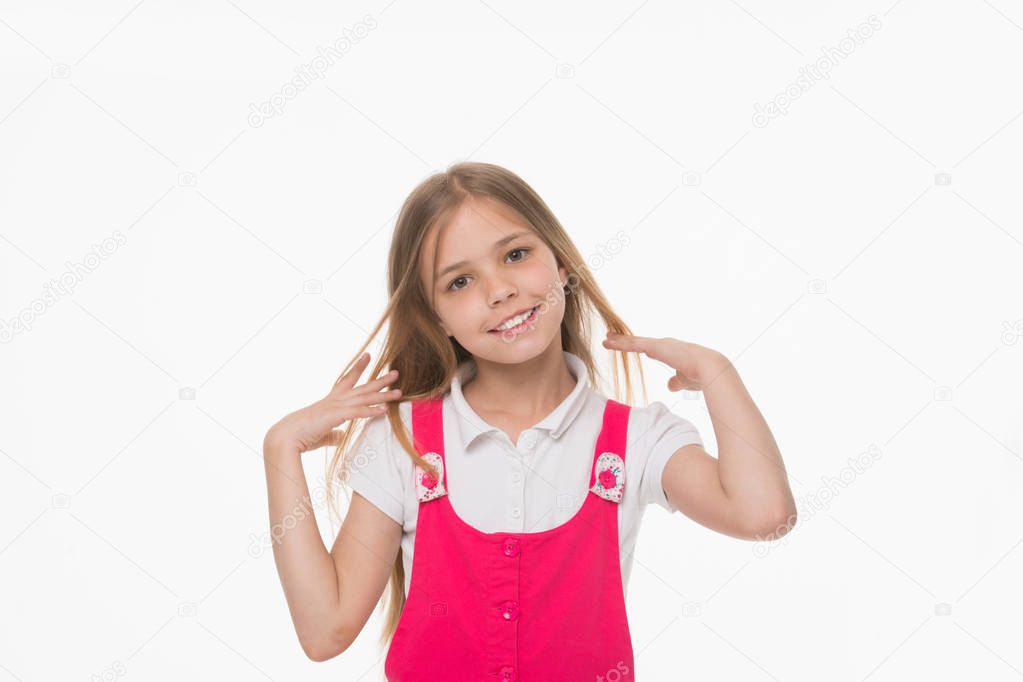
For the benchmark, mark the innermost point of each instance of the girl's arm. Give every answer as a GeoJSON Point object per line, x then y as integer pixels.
{"type": "Point", "coordinates": [750, 468]}
{"type": "Point", "coordinates": [330, 594]}
{"type": "Point", "coordinates": [744, 492]}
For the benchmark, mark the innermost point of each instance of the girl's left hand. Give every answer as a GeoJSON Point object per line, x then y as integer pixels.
{"type": "Point", "coordinates": [694, 365]}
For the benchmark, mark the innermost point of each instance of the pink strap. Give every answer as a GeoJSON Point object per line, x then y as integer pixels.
{"type": "Point", "coordinates": [428, 430]}
{"type": "Point", "coordinates": [613, 433]}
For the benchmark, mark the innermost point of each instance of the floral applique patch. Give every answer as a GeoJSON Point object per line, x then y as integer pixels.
{"type": "Point", "coordinates": [610, 483]}
{"type": "Point", "coordinates": [427, 487]}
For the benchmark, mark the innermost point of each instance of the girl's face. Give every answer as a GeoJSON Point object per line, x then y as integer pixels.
{"type": "Point", "coordinates": [491, 265]}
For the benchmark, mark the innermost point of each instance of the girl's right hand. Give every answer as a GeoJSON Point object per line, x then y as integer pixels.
{"type": "Point", "coordinates": [313, 426]}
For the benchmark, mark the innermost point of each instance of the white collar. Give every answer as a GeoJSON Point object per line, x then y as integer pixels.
{"type": "Point", "coordinates": [471, 425]}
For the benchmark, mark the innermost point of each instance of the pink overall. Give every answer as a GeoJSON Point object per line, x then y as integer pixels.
{"type": "Point", "coordinates": [531, 607]}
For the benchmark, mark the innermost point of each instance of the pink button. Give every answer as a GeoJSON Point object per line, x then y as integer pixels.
{"type": "Point", "coordinates": [510, 610]}
{"type": "Point", "coordinates": [508, 673]}
{"type": "Point", "coordinates": [511, 547]}
{"type": "Point", "coordinates": [429, 482]}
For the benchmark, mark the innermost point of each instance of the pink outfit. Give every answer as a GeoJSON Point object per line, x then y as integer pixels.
{"type": "Point", "coordinates": [501, 606]}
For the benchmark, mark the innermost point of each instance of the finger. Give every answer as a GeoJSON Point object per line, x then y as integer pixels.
{"type": "Point", "coordinates": [348, 379]}
{"type": "Point", "coordinates": [354, 411]}
{"type": "Point", "coordinates": [372, 398]}
{"type": "Point", "coordinates": [377, 384]}
{"type": "Point", "coordinates": [620, 335]}
{"type": "Point", "coordinates": [678, 382]}
{"type": "Point", "coordinates": [626, 343]}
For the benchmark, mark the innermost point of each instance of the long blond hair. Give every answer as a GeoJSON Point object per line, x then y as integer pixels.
{"type": "Point", "coordinates": [415, 344]}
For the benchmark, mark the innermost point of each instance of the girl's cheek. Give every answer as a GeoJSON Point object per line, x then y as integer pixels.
{"type": "Point", "coordinates": [456, 313]}
{"type": "Point", "coordinates": [541, 273]}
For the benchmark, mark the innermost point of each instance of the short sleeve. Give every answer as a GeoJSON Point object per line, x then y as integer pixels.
{"type": "Point", "coordinates": [655, 436]}
{"type": "Point", "coordinates": [373, 469]}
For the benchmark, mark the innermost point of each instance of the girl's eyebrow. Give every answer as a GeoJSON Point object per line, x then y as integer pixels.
{"type": "Point", "coordinates": [498, 244]}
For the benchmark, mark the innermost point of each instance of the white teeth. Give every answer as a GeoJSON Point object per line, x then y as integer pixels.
{"type": "Point", "coordinates": [515, 321]}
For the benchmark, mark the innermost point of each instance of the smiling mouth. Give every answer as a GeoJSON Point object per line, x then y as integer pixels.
{"type": "Point", "coordinates": [521, 326]}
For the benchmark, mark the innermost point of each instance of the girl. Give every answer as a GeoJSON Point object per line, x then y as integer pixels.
{"type": "Point", "coordinates": [496, 490]}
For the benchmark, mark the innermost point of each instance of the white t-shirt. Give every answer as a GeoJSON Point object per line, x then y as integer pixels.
{"type": "Point", "coordinates": [526, 487]}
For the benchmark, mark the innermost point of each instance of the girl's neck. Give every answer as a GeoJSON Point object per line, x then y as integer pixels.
{"type": "Point", "coordinates": [525, 392]}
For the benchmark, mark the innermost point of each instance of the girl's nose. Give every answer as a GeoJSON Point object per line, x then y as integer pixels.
{"type": "Point", "coordinates": [500, 293]}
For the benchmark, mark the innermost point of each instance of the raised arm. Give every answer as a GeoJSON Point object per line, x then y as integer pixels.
{"type": "Point", "coordinates": [743, 493]}
{"type": "Point", "coordinates": [330, 595]}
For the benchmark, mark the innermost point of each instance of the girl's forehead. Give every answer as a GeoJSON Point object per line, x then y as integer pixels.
{"type": "Point", "coordinates": [469, 233]}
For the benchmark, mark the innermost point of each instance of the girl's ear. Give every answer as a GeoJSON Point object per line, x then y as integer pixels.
{"type": "Point", "coordinates": [563, 274]}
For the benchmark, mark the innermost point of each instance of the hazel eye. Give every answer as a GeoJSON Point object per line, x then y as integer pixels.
{"type": "Point", "coordinates": [523, 250]}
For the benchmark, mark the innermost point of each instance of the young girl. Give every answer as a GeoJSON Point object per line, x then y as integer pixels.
{"type": "Point", "coordinates": [496, 490]}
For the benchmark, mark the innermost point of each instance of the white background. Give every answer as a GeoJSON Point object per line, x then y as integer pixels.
{"type": "Point", "coordinates": [871, 304]}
